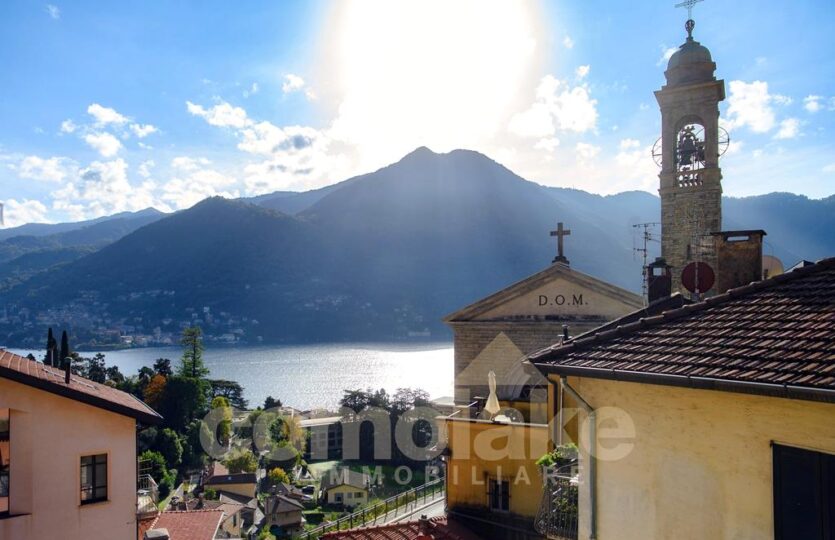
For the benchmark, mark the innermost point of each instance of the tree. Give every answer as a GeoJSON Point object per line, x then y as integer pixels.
{"type": "Point", "coordinates": [51, 346]}
{"type": "Point", "coordinates": [183, 400]}
{"type": "Point", "coordinates": [65, 350]}
{"type": "Point", "coordinates": [224, 427]}
{"type": "Point", "coordinates": [278, 476]}
{"type": "Point", "coordinates": [241, 461]}
{"type": "Point", "coordinates": [192, 360]}
{"type": "Point", "coordinates": [115, 376]}
{"type": "Point", "coordinates": [169, 445]}
{"type": "Point", "coordinates": [152, 395]}
{"type": "Point", "coordinates": [154, 462]}
{"type": "Point", "coordinates": [230, 390]}
{"type": "Point", "coordinates": [271, 403]}
{"type": "Point", "coordinates": [96, 370]}
{"type": "Point", "coordinates": [162, 366]}
{"type": "Point", "coordinates": [406, 399]}
{"type": "Point", "coordinates": [193, 455]}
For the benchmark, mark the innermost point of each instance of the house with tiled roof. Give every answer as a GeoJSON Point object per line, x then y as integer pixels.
{"type": "Point", "coordinates": [68, 464]}
{"type": "Point", "coordinates": [713, 420]}
{"type": "Point", "coordinates": [440, 528]}
{"type": "Point", "coordinates": [283, 512]}
{"type": "Point", "coordinates": [342, 486]}
{"type": "Point", "coordinates": [220, 479]}
{"type": "Point", "coordinates": [185, 525]}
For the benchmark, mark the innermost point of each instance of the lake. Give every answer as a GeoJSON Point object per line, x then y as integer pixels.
{"type": "Point", "coordinates": [309, 376]}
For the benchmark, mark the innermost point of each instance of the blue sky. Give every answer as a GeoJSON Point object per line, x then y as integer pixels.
{"type": "Point", "coordinates": [114, 106]}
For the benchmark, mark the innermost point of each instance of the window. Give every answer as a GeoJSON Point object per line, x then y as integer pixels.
{"type": "Point", "coordinates": [804, 494]}
{"type": "Point", "coordinates": [93, 478]}
{"type": "Point", "coordinates": [358, 495]}
{"type": "Point", "coordinates": [5, 459]}
{"type": "Point", "coordinates": [499, 495]}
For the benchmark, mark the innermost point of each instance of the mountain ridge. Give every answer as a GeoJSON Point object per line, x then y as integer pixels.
{"type": "Point", "coordinates": [383, 255]}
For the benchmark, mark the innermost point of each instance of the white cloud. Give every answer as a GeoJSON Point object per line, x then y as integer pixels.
{"type": "Point", "coordinates": [585, 152]}
{"type": "Point", "coordinates": [789, 129]}
{"type": "Point", "coordinates": [186, 190]}
{"type": "Point", "coordinates": [222, 115]}
{"type": "Point", "coordinates": [102, 188]}
{"type": "Point", "coordinates": [53, 11]}
{"type": "Point", "coordinates": [829, 168]}
{"type": "Point", "coordinates": [185, 163]}
{"type": "Point", "coordinates": [558, 106]}
{"type": "Point", "coordinates": [68, 126]}
{"type": "Point", "coordinates": [292, 83]}
{"type": "Point", "coordinates": [142, 131]}
{"type": "Point", "coordinates": [548, 144]}
{"type": "Point", "coordinates": [812, 103]}
{"type": "Point", "coordinates": [749, 105]}
{"type": "Point", "coordinates": [145, 167]}
{"type": "Point", "coordinates": [666, 54]}
{"type": "Point", "coordinates": [105, 115]}
{"type": "Point", "coordinates": [104, 143]}
{"type": "Point", "coordinates": [628, 144]}
{"type": "Point", "coordinates": [17, 213]}
{"type": "Point", "coordinates": [567, 42]}
{"type": "Point", "coordinates": [582, 71]}
{"type": "Point", "coordinates": [252, 90]}
{"type": "Point", "coordinates": [780, 99]}
{"type": "Point", "coordinates": [51, 170]}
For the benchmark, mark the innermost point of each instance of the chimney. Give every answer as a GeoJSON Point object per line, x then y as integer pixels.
{"type": "Point", "coordinates": [565, 336]}
{"type": "Point", "coordinates": [739, 258]}
{"type": "Point", "coordinates": [157, 534]}
{"type": "Point", "coordinates": [424, 524]}
{"type": "Point", "coordinates": [659, 280]}
{"type": "Point", "coordinates": [67, 373]}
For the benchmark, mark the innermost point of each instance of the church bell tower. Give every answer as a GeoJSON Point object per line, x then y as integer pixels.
{"type": "Point", "coordinates": [691, 180]}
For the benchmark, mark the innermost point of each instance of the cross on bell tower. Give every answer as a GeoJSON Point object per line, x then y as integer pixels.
{"type": "Point", "coordinates": [690, 178]}
{"type": "Point", "coordinates": [560, 233]}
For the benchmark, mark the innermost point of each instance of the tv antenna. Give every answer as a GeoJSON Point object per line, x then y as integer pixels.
{"type": "Point", "coordinates": [647, 235]}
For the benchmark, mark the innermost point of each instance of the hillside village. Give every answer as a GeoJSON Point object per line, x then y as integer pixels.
{"type": "Point", "coordinates": [701, 408]}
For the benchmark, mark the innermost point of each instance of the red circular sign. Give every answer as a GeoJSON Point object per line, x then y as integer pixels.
{"type": "Point", "coordinates": [698, 276]}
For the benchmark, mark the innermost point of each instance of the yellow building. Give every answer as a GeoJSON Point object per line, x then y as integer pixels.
{"type": "Point", "coordinates": [67, 454]}
{"type": "Point", "coordinates": [715, 420]}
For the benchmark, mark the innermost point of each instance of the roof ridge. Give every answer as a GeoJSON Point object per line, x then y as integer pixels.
{"type": "Point", "coordinates": [684, 311]}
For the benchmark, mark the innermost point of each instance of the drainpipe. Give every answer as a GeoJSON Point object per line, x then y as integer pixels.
{"type": "Point", "coordinates": [592, 452]}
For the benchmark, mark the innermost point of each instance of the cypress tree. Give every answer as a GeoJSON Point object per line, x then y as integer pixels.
{"type": "Point", "coordinates": [65, 350]}
{"type": "Point", "coordinates": [51, 345]}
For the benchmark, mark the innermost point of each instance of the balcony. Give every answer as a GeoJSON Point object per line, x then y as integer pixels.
{"type": "Point", "coordinates": [147, 496]}
{"type": "Point", "coordinates": [558, 512]}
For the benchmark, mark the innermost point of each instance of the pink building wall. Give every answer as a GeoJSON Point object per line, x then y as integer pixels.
{"type": "Point", "coordinates": [49, 434]}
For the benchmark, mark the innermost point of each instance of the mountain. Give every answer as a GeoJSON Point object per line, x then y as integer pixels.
{"type": "Point", "coordinates": [43, 246]}
{"type": "Point", "coordinates": [47, 229]}
{"type": "Point", "coordinates": [380, 256]}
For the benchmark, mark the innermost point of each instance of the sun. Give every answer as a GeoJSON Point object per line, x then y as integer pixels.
{"type": "Point", "coordinates": [445, 74]}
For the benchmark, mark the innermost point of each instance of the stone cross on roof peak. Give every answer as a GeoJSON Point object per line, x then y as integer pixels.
{"type": "Point", "coordinates": [560, 233]}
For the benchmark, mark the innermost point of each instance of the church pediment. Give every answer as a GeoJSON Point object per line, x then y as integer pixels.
{"type": "Point", "coordinates": [557, 292]}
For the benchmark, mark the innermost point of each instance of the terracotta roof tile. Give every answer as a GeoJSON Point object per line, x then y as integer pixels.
{"type": "Point", "coordinates": [50, 379]}
{"type": "Point", "coordinates": [777, 331]}
{"type": "Point", "coordinates": [440, 528]}
{"type": "Point", "coordinates": [191, 525]}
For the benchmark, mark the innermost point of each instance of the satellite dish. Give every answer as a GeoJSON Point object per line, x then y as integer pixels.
{"type": "Point", "coordinates": [772, 266]}
{"type": "Point", "coordinates": [698, 276]}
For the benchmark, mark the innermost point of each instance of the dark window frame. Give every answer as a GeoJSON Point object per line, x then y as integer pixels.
{"type": "Point", "coordinates": [8, 473]}
{"type": "Point", "coordinates": [498, 494]}
{"type": "Point", "coordinates": [94, 484]}
{"type": "Point", "coordinates": [825, 470]}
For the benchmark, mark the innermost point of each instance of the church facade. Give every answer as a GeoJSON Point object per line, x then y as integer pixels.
{"type": "Point", "coordinates": [496, 332]}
